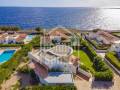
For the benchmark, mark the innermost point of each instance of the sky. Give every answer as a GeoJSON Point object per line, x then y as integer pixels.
{"type": "Point", "coordinates": [61, 3]}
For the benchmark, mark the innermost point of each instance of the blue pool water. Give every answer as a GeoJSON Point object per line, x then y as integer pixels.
{"type": "Point", "coordinates": [81, 18]}
{"type": "Point", "coordinates": [29, 37]}
{"type": "Point", "coordinates": [6, 55]}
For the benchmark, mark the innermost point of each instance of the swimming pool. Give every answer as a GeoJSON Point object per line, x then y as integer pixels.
{"type": "Point", "coordinates": [28, 38]}
{"type": "Point", "coordinates": [6, 55]}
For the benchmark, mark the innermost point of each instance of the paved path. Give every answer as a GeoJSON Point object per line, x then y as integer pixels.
{"type": "Point", "coordinates": [81, 84]}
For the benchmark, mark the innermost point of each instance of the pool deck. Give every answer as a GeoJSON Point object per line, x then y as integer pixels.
{"type": "Point", "coordinates": [8, 48]}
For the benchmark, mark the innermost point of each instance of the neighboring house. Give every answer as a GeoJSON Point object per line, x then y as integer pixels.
{"type": "Point", "coordinates": [12, 38]}
{"type": "Point", "coordinates": [55, 65]}
{"type": "Point", "coordinates": [60, 34]}
{"type": "Point", "coordinates": [2, 38]}
{"type": "Point", "coordinates": [20, 38]}
{"type": "Point", "coordinates": [103, 37]}
{"type": "Point", "coordinates": [116, 48]}
{"type": "Point", "coordinates": [56, 35]}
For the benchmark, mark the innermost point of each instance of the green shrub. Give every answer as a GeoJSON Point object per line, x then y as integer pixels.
{"type": "Point", "coordinates": [11, 45]}
{"type": "Point", "coordinates": [99, 65]}
{"type": "Point", "coordinates": [35, 42]}
{"type": "Point", "coordinates": [113, 59]}
{"type": "Point", "coordinates": [56, 87]}
{"type": "Point", "coordinates": [9, 28]}
{"type": "Point", "coordinates": [24, 69]}
{"type": "Point", "coordinates": [84, 67]}
{"type": "Point", "coordinates": [104, 76]}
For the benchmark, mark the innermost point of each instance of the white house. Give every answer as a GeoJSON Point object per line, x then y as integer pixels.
{"type": "Point", "coordinates": [115, 47]}
{"type": "Point", "coordinates": [57, 58]}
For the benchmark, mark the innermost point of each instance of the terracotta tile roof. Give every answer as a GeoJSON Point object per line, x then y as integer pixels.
{"type": "Point", "coordinates": [22, 35]}
{"type": "Point", "coordinates": [60, 32]}
{"type": "Point", "coordinates": [107, 36]}
{"type": "Point", "coordinates": [39, 69]}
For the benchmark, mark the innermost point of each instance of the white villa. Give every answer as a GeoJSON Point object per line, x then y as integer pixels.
{"type": "Point", "coordinates": [102, 37]}
{"type": "Point", "coordinates": [55, 65]}
{"type": "Point", "coordinates": [12, 38]}
{"type": "Point", "coordinates": [116, 47]}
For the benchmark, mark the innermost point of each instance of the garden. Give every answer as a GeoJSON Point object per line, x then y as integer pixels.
{"type": "Point", "coordinates": [93, 63]}
{"type": "Point", "coordinates": [7, 68]}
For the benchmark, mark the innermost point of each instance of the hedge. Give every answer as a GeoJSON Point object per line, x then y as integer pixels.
{"type": "Point", "coordinates": [104, 76]}
{"type": "Point", "coordinates": [11, 45]}
{"type": "Point", "coordinates": [56, 87]}
{"type": "Point", "coordinates": [113, 59]}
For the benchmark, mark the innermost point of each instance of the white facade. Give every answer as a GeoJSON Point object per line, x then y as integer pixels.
{"type": "Point", "coordinates": [115, 47]}
{"type": "Point", "coordinates": [53, 61]}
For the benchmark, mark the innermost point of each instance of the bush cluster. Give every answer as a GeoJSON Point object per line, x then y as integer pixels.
{"type": "Point", "coordinates": [11, 45]}
{"type": "Point", "coordinates": [24, 69]}
{"type": "Point", "coordinates": [9, 28]}
{"type": "Point", "coordinates": [61, 87]}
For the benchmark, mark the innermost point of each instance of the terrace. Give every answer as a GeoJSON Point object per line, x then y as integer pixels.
{"type": "Point", "coordinates": [50, 55]}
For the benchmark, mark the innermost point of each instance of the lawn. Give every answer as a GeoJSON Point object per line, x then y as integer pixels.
{"type": "Point", "coordinates": [84, 58]}
{"type": "Point", "coordinates": [116, 34]}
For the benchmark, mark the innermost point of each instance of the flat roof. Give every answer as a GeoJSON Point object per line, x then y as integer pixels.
{"type": "Point", "coordinates": [59, 78]}
{"type": "Point", "coordinates": [61, 50]}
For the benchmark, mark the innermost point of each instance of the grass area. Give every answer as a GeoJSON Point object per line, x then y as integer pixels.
{"type": "Point", "coordinates": [101, 71]}
{"type": "Point", "coordinates": [116, 34]}
{"type": "Point", "coordinates": [111, 56]}
{"type": "Point", "coordinates": [84, 58]}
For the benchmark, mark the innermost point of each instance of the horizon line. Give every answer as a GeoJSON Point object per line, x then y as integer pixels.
{"type": "Point", "coordinates": [112, 7]}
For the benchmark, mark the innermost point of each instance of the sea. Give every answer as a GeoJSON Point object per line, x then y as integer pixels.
{"type": "Point", "coordinates": [49, 17]}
